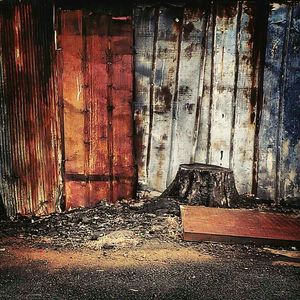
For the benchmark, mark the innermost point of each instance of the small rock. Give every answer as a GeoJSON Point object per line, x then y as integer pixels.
{"type": "Point", "coordinates": [94, 237]}
{"type": "Point", "coordinates": [108, 246]}
{"type": "Point", "coordinates": [85, 220]}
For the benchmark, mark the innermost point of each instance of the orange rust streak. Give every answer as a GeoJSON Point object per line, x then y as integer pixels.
{"type": "Point", "coordinates": [122, 112]}
{"type": "Point", "coordinates": [74, 107]}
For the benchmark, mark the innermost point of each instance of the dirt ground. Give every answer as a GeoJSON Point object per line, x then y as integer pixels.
{"type": "Point", "coordinates": [134, 251]}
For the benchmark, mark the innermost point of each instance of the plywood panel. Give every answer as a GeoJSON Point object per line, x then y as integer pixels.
{"type": "Point", "coordinates": [271, 119]}
{"type": "Point", "coordinates": [167, 51]}
{"type": "Point", "coordinates": [185, 125]}
{"type": "Point", "coordinates": [237, 225]}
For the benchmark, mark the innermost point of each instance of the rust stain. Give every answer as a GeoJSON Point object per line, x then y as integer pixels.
{"type": "Point", "coordinates": [226, 10]}
{"type": "Point", "coordinates": [190, 107]}
{"type": "Point", "coordinates": [99, 153]}
{"type": "Point", "coordinates": [32, 173]}
{"type": "Point", "coordinates": [163, 101]}
{"type": "Point", "coordinates": [187, 29]}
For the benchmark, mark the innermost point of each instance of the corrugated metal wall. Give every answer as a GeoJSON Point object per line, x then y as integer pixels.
{"type": "Point", "coordinates": [200, 97]}
{"type": "Point", "coordinates": [29, 133]}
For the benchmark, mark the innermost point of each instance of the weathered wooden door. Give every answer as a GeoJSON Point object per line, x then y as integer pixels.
{"type": "Point", "coordinates": [95, 67]}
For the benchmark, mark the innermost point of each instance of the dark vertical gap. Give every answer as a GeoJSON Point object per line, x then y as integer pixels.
{"type": "Point", "coordinates": [201, 75]}
{"type": "Point", "coordinates": [109, 64]}
{"type": "Point", "coordinates": [86, 134]}
{"type": "Point", "coordinates": [55, 123]}
{"type": "Point", "coordinates": [236, 77]}
{"type": "Point", "coordinates": [18, 120]}
{"type": "Point", "coordinates": [151, 92]}
{"type": "Point", "coordinates": [48, 168]}
{"type": "Point", "coordinates": [34, 118]}
{"type": "Point", "coordinates": [133, 124]}
{"type": "Point", "coordinates": [281, 103]}
{"type": "Point", "coordinates": [213, 13]}
{"type": "Point", "coordinates": [39, 45]}
{"type": "Point", "coordinates": [58, 80]}
{"type": "Point", "coordinates": [3, 159]}
{"type": "Point", "coordinates": [175, 98]}
{"type": "Point", "coordinates": [259, 50]}
{"type": "Point", "coordinates": [18, 117]}
{"type": "Point", "coordinates": [23, 84]}
{"type": "Point", "coordinates": [52, 186]}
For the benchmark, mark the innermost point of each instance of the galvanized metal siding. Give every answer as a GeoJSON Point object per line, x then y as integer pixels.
{"type": "Point", "coordinates": [215, 109]}
{"type": "Point", "coordinates": [29, 135]}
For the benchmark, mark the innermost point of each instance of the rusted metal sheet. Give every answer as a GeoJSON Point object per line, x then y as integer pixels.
{"type": "Point", "coordinates": [97, 95]}
{"type": "Point", "coordinates": [30, 153]}
{"type": "Point", "coordinates": [236, 225]}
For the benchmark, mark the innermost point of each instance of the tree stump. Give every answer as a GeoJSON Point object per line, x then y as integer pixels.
{"type": "Point", "coordinates": [202, 184]}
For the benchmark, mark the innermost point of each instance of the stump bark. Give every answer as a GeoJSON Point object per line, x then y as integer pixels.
{"type": "Point", "coordinates": [202, 184]}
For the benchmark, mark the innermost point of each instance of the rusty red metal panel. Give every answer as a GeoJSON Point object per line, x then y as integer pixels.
{"type": "Point", "coordinates": [215, 224]}
{"type": "Point", "coordinates": [97, 95]}
{"type": "Point", "coordinates": [29, 136]}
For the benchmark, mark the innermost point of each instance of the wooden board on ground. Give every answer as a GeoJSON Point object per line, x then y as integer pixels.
{"type": "Point", "coordinates": [239, 225]}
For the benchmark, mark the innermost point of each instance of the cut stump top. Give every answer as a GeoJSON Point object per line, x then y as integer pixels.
{"type": "Point", "coordinates": [204, 167]}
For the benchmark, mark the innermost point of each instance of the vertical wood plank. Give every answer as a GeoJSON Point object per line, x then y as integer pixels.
{"type": "Point", "coordinates": [97, 29]}
{"type": "Point", "coordinates": [73, 89]}
{"type": "Point", "coordinates": [205, 89]}
{"type": "Point", "coordinates": [290, 144]}
{"type": "Point", "coordinates": [270, 119]}
{"type": "Point", "coordinates": [187, 109]}
{"type": "Point", "coordinates": [144, 35]}
{"type": "Point", "coordinates": [169, 29]}
{"type": "Point", "coordinates": [96, 115]}
{"type": "Point", "coordinates": [246, 93]}
{"type": "Point", "coordinates": [122, 127]}
{"type": "Point", "coordinates": [224, 81]}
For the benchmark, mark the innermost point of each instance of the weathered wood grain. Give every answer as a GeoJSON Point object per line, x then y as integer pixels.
{"type": "Point", "coordinates": [99, 151]}
{"type": "Point", "coordinates": [224, 81]}
{"type": "Point", "coordinates": [145, 26]}
{"type": "Point", "coordinates": [205, 91]}
{"type": "Point", "coordinates": [165, 76]}
{"type": "Point", "coordinates": [97, 96]}
{"type": "Point", "coordinates": [290, 144]}
{"type": "Point", "coordinates": [186, 118]}
{"type": "Point", "coordinates": [270, 119]}
{"type": "Point", "coordinates": [122, 126]}
{"type": "Point", "coordinates": [73, 86]}
{"type": "Point", "coordinates": [245, 107]}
